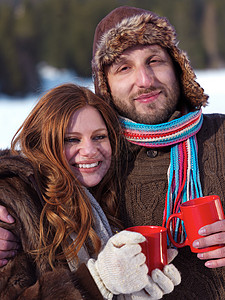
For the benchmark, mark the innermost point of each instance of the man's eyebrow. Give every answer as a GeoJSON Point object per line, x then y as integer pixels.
{"type": "Point", "coordinates": [123, 59]}
{"type": "Point", "coordinates": [119, 60]}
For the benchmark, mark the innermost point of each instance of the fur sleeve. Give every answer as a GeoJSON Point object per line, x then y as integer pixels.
{"type": "Point", "coordinates": [23, 277]}
{"type": "Point", "coordinates": [18, 281]}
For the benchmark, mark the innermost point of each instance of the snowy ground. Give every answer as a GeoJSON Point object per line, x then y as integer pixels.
{"type": "Point", "coordinates": [14, 111]}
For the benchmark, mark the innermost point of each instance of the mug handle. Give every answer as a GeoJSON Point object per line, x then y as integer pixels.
{"type": "Point", "coordinates": [178, 245]}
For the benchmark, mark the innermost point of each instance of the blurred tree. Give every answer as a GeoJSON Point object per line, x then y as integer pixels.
{"type": "Point", "coordinates": [221, 29]}
{"type": "Point", "coordinates": [60, 33]}
{"type": "Point", "coordinates": [10, 78]}
{"type": "Point", "coordinates": [210, 32]}
{"type": "Point", "coordinates": [82, 27]}
{"type": "Point", "coordinates": [18, 70]}
{"type": "Point", "coordinates": [27, 43]}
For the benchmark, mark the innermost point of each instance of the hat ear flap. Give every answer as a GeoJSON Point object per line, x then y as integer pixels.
{"type": "Point", "coordinates": [191, 89]}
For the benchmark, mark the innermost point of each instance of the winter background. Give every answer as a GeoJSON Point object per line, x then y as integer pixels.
{"type": "Point", "coordinates": [13, 111]}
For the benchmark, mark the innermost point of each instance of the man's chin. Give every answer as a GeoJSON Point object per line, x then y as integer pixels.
{"type": "Point", "coordinates": [145, 115]}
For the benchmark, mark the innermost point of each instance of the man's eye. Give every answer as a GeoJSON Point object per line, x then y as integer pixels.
{"type": "Point", "coordinates": [155, 60]}
{"type": "Point", "coordinates": [71, 140]}
{"type": "Point", "coordinates": [123, 68]}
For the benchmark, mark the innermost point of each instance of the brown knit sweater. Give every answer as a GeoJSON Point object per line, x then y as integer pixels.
{"type": "Point", "coordinates": [144, 199]}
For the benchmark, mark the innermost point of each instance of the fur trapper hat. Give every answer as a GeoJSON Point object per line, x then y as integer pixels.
{"type": "Point", "coordinates": [126, 27]}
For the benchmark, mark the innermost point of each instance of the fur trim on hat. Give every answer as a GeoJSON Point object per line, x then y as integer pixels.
{"type": "Point", "coordinates": [126, 27]}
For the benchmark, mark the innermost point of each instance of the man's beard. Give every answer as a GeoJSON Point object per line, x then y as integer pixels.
{"type": "Point", "coordinates": [154, 115]}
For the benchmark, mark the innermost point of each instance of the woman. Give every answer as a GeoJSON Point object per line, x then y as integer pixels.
{"type": "Point", "coordinates": [60, 181]}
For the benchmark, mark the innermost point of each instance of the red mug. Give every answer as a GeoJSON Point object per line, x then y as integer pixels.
{"type": "Point", "coordinates": [155, 246]}
{"type": "Point", "coordinates": [195, 214]}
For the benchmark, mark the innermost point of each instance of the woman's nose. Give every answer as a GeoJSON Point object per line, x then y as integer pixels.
{"type": "Point", "coordinates": [88, 148]}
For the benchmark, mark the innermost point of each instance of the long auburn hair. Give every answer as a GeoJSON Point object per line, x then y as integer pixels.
{"type": "Point", "coordinates": [66, 207]}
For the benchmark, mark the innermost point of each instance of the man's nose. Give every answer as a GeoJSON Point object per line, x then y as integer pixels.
{"type": "Point", "coordinates": [144, 77]}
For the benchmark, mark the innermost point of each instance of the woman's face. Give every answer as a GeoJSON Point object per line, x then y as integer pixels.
{"type": "Point", "coordinates": [87, 147]}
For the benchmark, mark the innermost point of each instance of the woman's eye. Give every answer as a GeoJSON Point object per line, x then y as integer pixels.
{"type": "Point", "coordinates": [100, 137]}
{"type": "Point", "coordinates": [71, 140]}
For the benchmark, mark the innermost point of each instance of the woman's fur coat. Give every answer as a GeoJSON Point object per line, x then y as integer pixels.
{"type": "Point", "coordinates": [23, 277]}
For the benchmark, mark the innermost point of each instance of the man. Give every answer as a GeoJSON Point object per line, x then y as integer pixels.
{"type": "Point", "coordinates": [139, 69]}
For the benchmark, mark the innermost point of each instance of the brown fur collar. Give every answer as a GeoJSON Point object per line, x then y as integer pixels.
{"type": "Point", "coordinates": [15, 164]}
{"type": "Point", "coordinates": [19, 166]}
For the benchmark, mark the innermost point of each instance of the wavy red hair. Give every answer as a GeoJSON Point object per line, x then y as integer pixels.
{"type": "Point", "coordinates": [67, 208]}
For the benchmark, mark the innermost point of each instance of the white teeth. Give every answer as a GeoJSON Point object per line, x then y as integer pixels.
{"type": "Point", "coordinates": [87, 166]}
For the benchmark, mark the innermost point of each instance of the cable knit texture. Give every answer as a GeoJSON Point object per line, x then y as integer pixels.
{"type": "Point", "coordinates": [145, 193]}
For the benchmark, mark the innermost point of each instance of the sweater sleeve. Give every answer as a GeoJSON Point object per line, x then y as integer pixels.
{"type": "Point", "coordinates": [23, 277]}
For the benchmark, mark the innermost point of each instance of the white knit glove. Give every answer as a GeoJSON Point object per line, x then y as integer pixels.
{"type": "Point", "coordinates": [120, 267]}
{"type": "Point", "coordinates": [160, 282]}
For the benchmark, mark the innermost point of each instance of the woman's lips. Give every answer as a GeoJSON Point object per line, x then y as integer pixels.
{"type": "Point", "coordinates": [87, 167]}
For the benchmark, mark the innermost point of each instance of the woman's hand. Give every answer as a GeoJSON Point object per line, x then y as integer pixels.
{"type": "Point", "coordinates": [160, 282]}
{"type": "Point", "coordinates": [120, 267]}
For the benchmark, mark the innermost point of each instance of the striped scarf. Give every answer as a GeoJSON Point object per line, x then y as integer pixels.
{"type": "Point", "coordinates": [183, 173]}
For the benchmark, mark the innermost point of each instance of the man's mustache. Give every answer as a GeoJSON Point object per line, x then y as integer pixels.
{"type": "Point", "coordinates": [146, 91]}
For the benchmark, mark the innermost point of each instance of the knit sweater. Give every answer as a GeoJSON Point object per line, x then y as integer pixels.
{"type": "Point", "coordinates": [144, 199]}
{"type": "Point", "coordinates": [23, 277]}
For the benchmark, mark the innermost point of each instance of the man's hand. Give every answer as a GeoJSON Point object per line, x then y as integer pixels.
{"type": "Point", "coordinates": [8, 241]}
{"type": "Point", "coordinates": [5, 216]}
{"type": "Point", "coordinates": [214, 234]}
{"type": "Point", "coordinates": [160, 282]}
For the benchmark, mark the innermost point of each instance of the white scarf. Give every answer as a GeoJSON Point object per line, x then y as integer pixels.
{"type": "Point", "coordinates": [101, 227]}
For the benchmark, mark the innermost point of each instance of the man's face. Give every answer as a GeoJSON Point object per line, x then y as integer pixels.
{"type": "Point", "coordinates": [143, 84]}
